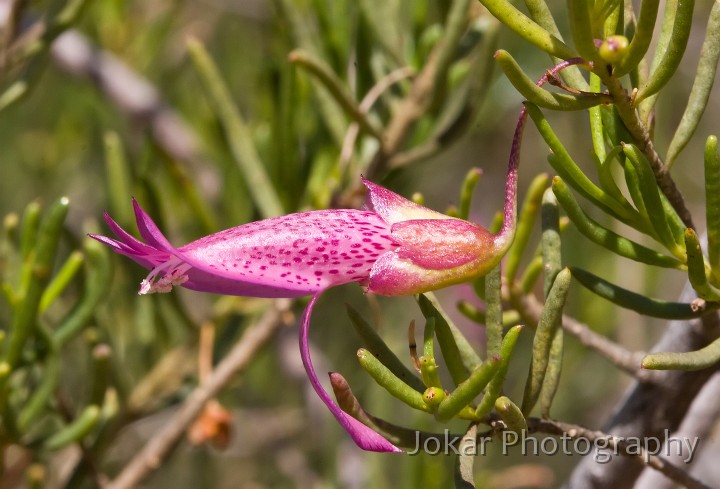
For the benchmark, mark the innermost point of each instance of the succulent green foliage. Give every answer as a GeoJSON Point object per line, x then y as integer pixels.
{"type": "Point", "coordinates": [374, 88]}
{"type": "Point", "coordinates": [31, 351]}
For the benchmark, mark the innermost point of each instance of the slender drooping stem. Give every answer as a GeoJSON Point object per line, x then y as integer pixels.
{"type": "Point", "coordinates": [507, 232]}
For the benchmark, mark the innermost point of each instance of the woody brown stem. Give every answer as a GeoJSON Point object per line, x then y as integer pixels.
{"type": "Point", "coordinates": [631, 119]}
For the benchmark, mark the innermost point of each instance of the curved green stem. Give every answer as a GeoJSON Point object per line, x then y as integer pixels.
{"type": "Point", "coordinates": [605, 237]}
{"type": "Point", "coordinates": [673, 54]}
{"type": "Point", "coordinates": [510, 16]}
{"type": "Point", "coordinates": [550, 319]}
{"type": "Point", "coordinates": [641, 304]}
{"type": "Point", "coordinates": [702, 86]}
{"type": "Point", "coordinates": [641, 40]}
{"type": "Point", "coordinates": [543, 98]}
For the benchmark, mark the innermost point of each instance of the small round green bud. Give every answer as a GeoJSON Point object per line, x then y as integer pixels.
{"type": "Point", "coordinates": [613, 48]}
{"type": "Point", "coordinates": [433, 396]}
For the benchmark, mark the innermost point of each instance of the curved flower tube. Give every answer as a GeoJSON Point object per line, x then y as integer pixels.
{"type": "Point", "coordinates": [392, 247]}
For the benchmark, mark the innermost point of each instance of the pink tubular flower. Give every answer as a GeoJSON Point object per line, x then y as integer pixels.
{"type": "Point", "coordinates": [393, 247]}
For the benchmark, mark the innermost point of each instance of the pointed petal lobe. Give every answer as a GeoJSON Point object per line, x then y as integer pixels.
{"type": "Point", "coordinates": [394, 208]}
{"type": "Point", "coordinates": [364, 437]}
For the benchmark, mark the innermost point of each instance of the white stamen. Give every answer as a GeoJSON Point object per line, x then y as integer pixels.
{"type": "Point", "coordinates": [173, 273]}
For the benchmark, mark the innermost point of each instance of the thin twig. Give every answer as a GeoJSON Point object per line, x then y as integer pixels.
{"type": "Point", "coordinates": [622, 358]}
{"type": "Point", "coordinates": [138, 99]}
{"type": "Point", "coordinates": [366, 104]}
{"type": "Point", "coordinates": [621, 445]}
{"type": "Point", "coordinates": [151, 455]}
{"type": "Point", "coordinates": [410, 109]}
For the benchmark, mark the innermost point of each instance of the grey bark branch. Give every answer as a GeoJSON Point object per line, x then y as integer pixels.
{"type": "Point", "coordinates": [138, 99]}
{"type": "Point", "coordinates": [650, 408]}
{"type": "Point", "coordinates": [699, 422]}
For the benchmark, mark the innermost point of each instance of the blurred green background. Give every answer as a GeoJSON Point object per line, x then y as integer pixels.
{"type": "Point", "coordinates": [54, 142]}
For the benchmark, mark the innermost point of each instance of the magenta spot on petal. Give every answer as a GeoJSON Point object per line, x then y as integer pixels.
{"type": "Point", "coordinates": [333, 271]}
{"type": "Point", "coordinates": [318, 273]}
{"type": "Point", "coordinates": [355, 245]}
{"type": "Point", "coordinates": [263, 267]}
{"type": "Point", "coordinates": [356, 265]}
{"type": "Point", "coordinates": [319, 249]}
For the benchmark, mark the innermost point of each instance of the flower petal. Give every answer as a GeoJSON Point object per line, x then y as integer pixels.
{"type": "Point", "coordinates": [299, 254]}
{"type": "Point", "coordinates": [364, 437]}
{"type": "Point", "coordinates": [394, 208]}
{"type": "Point", "coordinates": [149, 230]}
{"type": "Point", "coordinates": [393, 275]}
{"type": "Point", "coordinates": [438, 244]}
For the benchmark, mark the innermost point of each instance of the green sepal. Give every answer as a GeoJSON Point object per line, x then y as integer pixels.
{"type": "Point", "coordinates": [433, 396]}
{"type": "Point", "coordinates": [712, 206]}
{"type": "Point", "coordinates": [511, 415]}
{"type": "Point", "coordinates": [692, 360]}
{"type": "Point", "coordinates": [494, 387]}
{"type": "Point", "coordinates": [696, 268]}
{"type": "Point", "coordinates": [541, 97]}
{"type": "Point", "coordinates": [462, 396]}
{"type": "Point", "coordinates": [457, 352]}
{"type": "Point", "coordinates": [641, 304]}
{"type": "Point", "coordinates": [550, 321]}
{"type": "Point", "coordinates": [75, 431]}
{"type": "Point", "coordinates": [605, 237]}
{"type": "Point", "coordinates": [389, 381]}
{"type": "Point", "coordinates": [375, 344]}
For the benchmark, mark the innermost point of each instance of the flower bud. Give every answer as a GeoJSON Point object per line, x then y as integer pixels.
{"type": "Point", "coordinates": [613, 48]}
